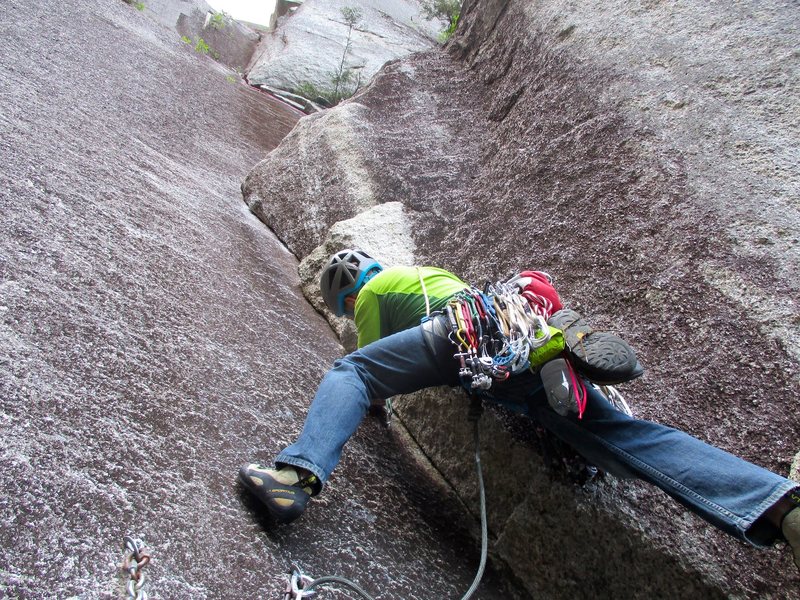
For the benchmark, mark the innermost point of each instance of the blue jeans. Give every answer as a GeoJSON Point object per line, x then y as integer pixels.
{"type": "Point", "coordinates": [723, 489]}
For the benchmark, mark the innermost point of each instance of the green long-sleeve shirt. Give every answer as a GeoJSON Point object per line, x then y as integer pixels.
{"type": "Point", "coordinates": [393, 300]}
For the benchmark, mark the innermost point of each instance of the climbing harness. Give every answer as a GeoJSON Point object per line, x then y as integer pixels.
{"type": "Point", "coordinates": [137, 556]}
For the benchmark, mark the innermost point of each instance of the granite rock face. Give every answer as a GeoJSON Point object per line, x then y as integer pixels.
{"type": "Point", "coordinates": [230, 42]}
{"type": "Point", "coordinates": [308, 45]}
{"type": "Point", "coordinates": [383, 230]}
{"type": "Point", "coordinates": [153, 337]}
{"type": "Point", "coordinates": [646, 156]}
{"type": "Point", "coordinates": [169, 12]}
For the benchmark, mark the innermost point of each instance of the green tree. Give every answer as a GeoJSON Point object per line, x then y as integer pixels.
{"type": "Point", "coordinates": [342, 77]}
{"type": "Point", "coordinates": [343, 81]}
{"type": "Point", "coordinates": [220, 20]}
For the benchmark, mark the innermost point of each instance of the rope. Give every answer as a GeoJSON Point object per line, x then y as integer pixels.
{"type": "Point", "coordinates": [339, 580]}
{"type": "Point", "coordinates": [484, 521]}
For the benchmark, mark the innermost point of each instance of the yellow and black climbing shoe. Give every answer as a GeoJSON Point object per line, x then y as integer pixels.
{"type": "Point", "coordinates": [791, 531]}
{"type": "Point", "coordinates": [282, 491]}
{"type": "Point", "coordinates": [602, 357]}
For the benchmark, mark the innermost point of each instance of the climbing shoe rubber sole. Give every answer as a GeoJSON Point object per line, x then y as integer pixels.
{"type": "Point", "coordinates": [602, 357]}
{"type": "Point", "coordinates": [284, 502]}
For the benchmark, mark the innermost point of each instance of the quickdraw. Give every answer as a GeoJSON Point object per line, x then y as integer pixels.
{"type": "Point", "coordinates": [495, 331]}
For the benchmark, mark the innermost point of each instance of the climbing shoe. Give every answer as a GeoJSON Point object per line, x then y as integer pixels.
{"type": "Point", "coordinates": [790, 527]}
{"type": "Point", "coordinates": [282, 491]}
{"type": "Point", "coordinates": [602, 357]}
{"type": "Point", "coordinates": [560, 387]}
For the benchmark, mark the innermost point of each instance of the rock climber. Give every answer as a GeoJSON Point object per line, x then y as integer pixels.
{"type": "Point", "coordinates": [397, 354]}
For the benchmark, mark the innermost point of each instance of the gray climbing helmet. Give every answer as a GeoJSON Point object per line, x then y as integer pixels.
{"type": "Point", "coordinates": [347, 271]}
